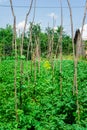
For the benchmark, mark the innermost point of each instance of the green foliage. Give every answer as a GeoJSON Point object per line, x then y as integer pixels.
{"type": "Point", "coordinates": [43, 108]}
{"type": "Point", "coordinates": [6, 35]}
{"type": "Point", "coordinates": [22, 57]}
{"type": "Point", "coordinates": [44, 43]}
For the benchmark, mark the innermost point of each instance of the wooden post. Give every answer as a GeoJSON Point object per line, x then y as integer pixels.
{"type": "Point", "coordinates": [15, 69]}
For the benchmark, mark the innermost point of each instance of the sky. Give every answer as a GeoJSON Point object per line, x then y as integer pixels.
{"type": "Point", "coordinates": [45, 11]}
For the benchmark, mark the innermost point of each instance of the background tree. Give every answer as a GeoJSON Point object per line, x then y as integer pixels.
{"type": "Point", "coordinates": [6, 35]}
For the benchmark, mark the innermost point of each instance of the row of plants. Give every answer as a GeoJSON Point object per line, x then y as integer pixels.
{"type": "Point", "coordinates": [40, 104]}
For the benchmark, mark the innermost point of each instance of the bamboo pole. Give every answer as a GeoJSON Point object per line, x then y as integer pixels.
{"type": "Point", "coordinates": [83, 22]}
{"type": "Point", "coordinates": [52, 49]}
{"type": "Point", "coordinates": [31, 24]}
{"type": "Point", "coordinates": [15, 69]}
{"type": "Point", "coordinates": [72, 33]}
{"type": "Point", "coordinates": [30, 45]}
{"type": "Point", "coordinates": [21, 64]}
{"type": "Point", "coordinates": [60, 41]}
{"type": "Point", "coordinates": [26, 18]}
{"type": "Point", "coordinates": [84, 17]}
{"type": "Point", "coordinates": [75, 57]}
